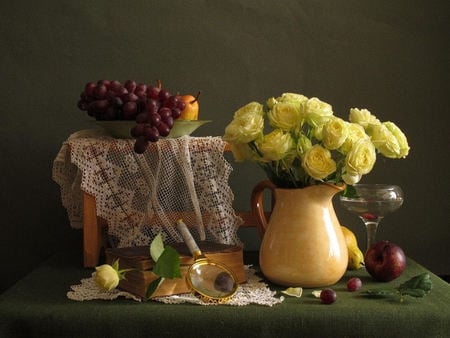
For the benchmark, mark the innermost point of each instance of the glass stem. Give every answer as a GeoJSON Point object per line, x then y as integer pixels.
{"type": "Point", "coordinates": [371, 228]}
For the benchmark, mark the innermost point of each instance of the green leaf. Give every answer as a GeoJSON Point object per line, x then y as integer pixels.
{"type": "Point", "coordinates": [379, 293]}
{"type": "Point", "coordinates": [153, 286]}
{"type": "Point", "coordinates": [417, 286]}
{"type": "Point", "coordinates": [156, 247]}
{"type": "Point", "coordinates": [413, 292]}
{"type": "Point", "coordinates": [168, 264]}
{"type": "Point", "coordinates": [115, 264]}
{"type": "Point", "coordinates": [350, 192]}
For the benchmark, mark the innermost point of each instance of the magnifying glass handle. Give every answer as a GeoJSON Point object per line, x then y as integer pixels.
{"type": "Point", "coordinates": [188, 239]}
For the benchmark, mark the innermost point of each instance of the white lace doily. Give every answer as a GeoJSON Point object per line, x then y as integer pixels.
{"type": "Point", "coordinates": [142, 195]}
{"type": "Point", "coordinates": [253, 292]}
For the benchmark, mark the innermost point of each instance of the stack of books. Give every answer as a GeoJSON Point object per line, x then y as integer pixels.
{"type": "Point", "coordinates": [139, 259]}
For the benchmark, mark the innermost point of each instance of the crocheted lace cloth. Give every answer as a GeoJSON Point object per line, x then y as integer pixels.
{"type": "Point", "coordinates": [253, 292]}
{"type": "Point", "coordinates": [141, 195]}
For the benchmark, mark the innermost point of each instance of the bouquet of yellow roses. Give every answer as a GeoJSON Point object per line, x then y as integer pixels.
{"type": "Point", "coordinates": [308, 144]}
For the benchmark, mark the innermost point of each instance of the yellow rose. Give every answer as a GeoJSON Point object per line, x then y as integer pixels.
{"type": "Point", "coordinates": [106, 277]}
{"type": "Point", "coordinates": [247, 126]}
{"type": "Point", "coordinates": [286, 97]}
{"type": "Point", "coordinates": [271, 102]}
{"type": "Point", "coordinates": [355, 133]}
{"type": "Point", "coordinates": [316, 112]}
{"type": "Point", "coordinates": [351, 179]}
{"type": "Point", "coordinates": [385, 141]}
{"type": "Point", "coordinates": [334, 133]}
{"type": "Point", "coordinates": [251, 109]}
{"type": "Point", "coordinates": [401, 138]}
{"type": "Point", "coordinates": [285, 115]}
{"type": "Point", "coordinates": [317, 132]}
{"type": "Point", "coordinates": [292, 97]}
{"type": "Point", "coordinates": [276, 145]}
{"type": "Point", "coordinates": [318, 163]}
{"type": "Point", "coordinates": [362, 117]}
{"type": "Point", "coordinates": [361, 158]}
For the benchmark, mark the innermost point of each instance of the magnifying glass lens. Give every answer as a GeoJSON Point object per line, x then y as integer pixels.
{"type": "Point", "coordinates": [212, 280]}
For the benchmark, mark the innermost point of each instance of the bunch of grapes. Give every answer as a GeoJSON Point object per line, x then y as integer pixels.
{"type": "Point", "coordinates": [153, 108]}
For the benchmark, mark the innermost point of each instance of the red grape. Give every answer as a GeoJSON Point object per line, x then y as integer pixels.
{"type": "Point", "coordinates": [164, 94]}
{"type": "Point", "coordinates": [223, 282]}
{"type": "Point", "coordinates": [100, 91]}
{"type": "Point", "coordinates": [354, 284]}
{"type": "Point", "coordinates": [328, 296]}
{"type": "Point", "coordinates": [169, 121]}
{"type": "Point", "coordinates": [140, 145]}
{"type": "Point", "coordinates": [137, 130]}
{"type": "Point", "coordinates": [171, 102]}
{"type": "Point", "coordinates": [129, 108]}
{"type": "Point", "coordinates": [141, 87]}
{"type": "Point", "coordinates": [176, 113]}
{"type": "Point", "coordinates": [165, 112]}
{"type": "Point", "coordinates": [142, 94]}
{"type": "Point", "coordinates": [117, 101]}
{"type": "Point", "coordinates": [153, 92]}
{"type": "Point", "coordinates": [154, 119]}
{"type": "Point", "coordinates": [151, 133]}
{"type": "Point", "coordinates": [105, 83]}
{"type": "Point", "coordinates": [141, 118]}
{"type": "Point", "coordinates": [98, 106]}
{"type": "Point", "coordinates": [122, 91]}
{"type": "Point", "coordinates": [130, 85]}
{"type": "Point", "coordinates": [152, 106]}
{"type": "Point", "coordinates": [115, 85]}
{"type": "Point", "coordinates": [163, 129]}
{"type": "Point", "coordinates": [89, 88]}
{"type": "Point", "coordinates": [181, 104]}
{"type": "Point", "coordinates": [130, 97]}
{"type": "Point", "coordinates": [110, 94]}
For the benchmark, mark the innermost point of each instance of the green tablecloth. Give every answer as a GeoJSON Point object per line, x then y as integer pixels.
{"type": "Point", "coordinates": [37, 306]}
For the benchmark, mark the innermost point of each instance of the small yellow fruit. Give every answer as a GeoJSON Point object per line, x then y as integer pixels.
{"type": "Point", "coordinates": [190, 112]}
{"type": "Point", "coordinates": [355, 258]}
{"type": "Point", "coordinates": [355, 255]}
{"type": "Point", "coordinates": [350, 237]}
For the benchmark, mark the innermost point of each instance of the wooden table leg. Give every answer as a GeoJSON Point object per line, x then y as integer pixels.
{"type": "Point", "coordinates": [92, 232]}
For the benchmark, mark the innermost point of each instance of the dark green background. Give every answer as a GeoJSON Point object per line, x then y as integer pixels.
{"type": "Point", "coordinates": [391, 57]}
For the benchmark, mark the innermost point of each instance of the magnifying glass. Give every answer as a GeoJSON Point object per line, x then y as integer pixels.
{"type": "Point", "coordinates": [212, 281]}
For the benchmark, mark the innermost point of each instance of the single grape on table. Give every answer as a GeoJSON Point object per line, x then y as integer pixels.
{"type": "Point", "coordinates": [354, 284]}
{"type": "Point", "coordinates": [328, 296]}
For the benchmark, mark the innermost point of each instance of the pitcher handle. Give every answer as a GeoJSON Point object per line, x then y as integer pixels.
{"type": "Point", "coordinates": [257, 204]}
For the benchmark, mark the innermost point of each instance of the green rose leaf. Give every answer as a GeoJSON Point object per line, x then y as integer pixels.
{"type": "Point", "coordinates": [379, 293]}
{"type": "Point", "coordinates": [420, 285]}
{"type": "Point", "coordinates": [350, 192]}
{"type": "Point", "coordinates": [156, 247]}
{"type": "Point", "coordinates": [168, 264]}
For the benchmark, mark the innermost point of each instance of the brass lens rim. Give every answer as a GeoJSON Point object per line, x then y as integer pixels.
{"type": "Point", "coordinates": [204, 261]}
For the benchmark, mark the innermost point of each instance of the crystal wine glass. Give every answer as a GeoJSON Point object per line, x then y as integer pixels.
{"type": "Point", "coordinates": [371, 203]}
